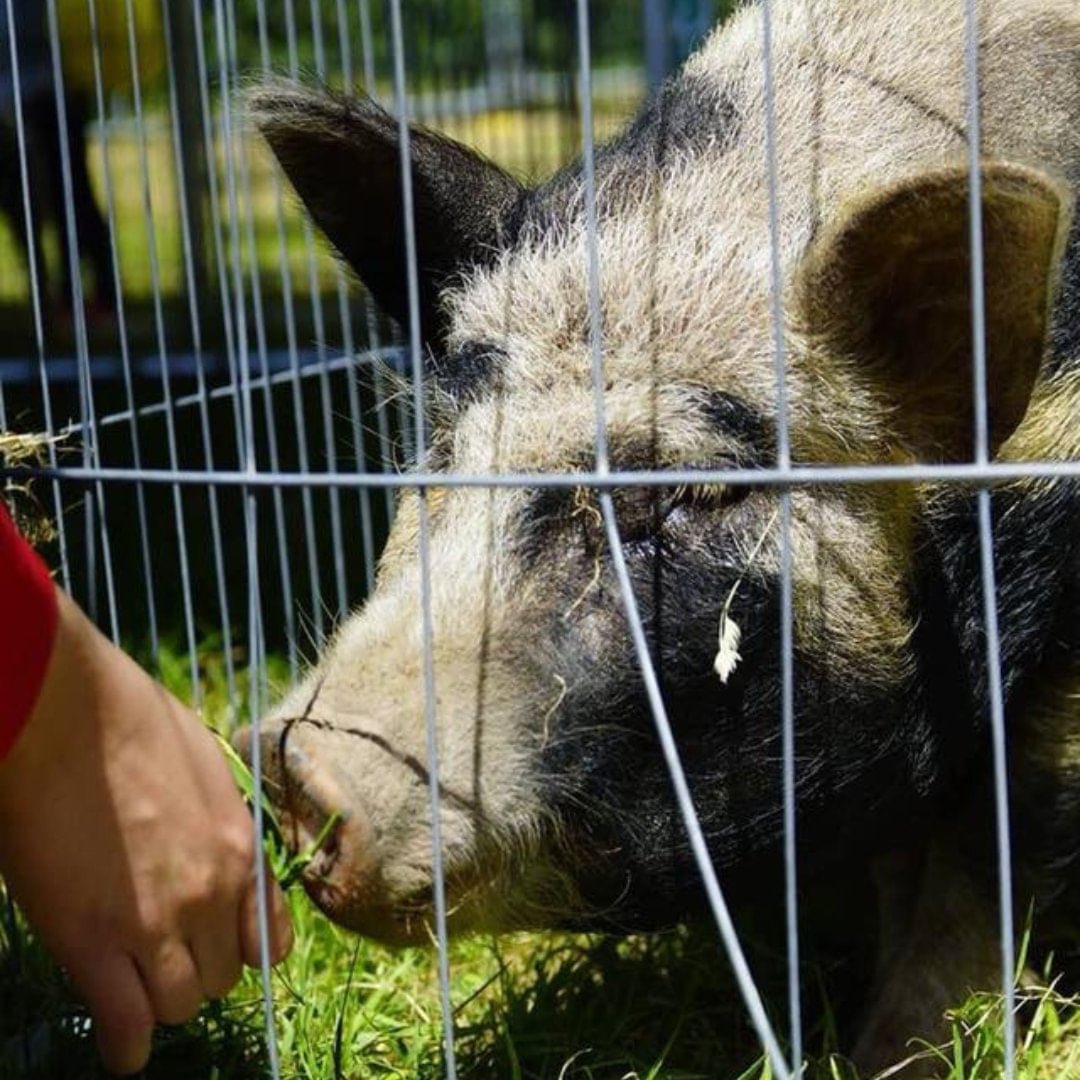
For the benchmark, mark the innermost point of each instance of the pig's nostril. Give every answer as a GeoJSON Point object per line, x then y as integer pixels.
{"type": "Point", "coordinates": [323, 860]}
{"type": "Point", "coordinates": [318, 818]}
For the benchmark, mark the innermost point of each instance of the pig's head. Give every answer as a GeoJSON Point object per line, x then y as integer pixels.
{"type": "Point", "coordinates": [556, 806]}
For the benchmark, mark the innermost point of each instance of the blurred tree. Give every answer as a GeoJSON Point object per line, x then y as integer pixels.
{"type": "Point", "coordinates": [76, 43]}
{"type": "Point", "coordinates": [449, 39]}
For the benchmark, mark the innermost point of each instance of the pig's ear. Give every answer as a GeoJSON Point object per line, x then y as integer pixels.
{"type": "Point", "coordinates": [889, 286]}
{"type": "Point", "coordinates": [343, 156]}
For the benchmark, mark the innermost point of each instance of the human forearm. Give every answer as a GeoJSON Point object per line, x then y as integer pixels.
{"type": "Point", "coordinates": [125, 840]}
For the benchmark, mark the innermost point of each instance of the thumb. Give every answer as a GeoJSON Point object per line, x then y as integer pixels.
{"type": "Point", "coordinates": [112, 988]}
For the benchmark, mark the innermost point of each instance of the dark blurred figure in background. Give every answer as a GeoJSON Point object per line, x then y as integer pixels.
{"type": "Point", "coordinates": [46, 144]}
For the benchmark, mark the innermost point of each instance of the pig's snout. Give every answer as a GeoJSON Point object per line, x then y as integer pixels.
{"type": "Point", "coordinates": [311, 806]}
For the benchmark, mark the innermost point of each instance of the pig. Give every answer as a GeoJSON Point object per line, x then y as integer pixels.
{"type": "Point", "coordinates": [556, 805]}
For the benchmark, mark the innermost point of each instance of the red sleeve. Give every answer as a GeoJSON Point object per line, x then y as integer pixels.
{"type": "Point", "coordinates": [28, 615]}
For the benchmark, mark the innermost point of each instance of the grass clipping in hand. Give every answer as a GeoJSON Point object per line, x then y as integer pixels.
{"type": "Point", "coordinates": [728, 656]}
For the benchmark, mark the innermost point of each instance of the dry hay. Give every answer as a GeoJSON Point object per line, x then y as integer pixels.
{"type": "Point", "coordinates": [16, 492]}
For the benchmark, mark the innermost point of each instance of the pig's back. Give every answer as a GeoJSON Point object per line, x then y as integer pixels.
{"type": "Point", "coordinates": [870, 91]}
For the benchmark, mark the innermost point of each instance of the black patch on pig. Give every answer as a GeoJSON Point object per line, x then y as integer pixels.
{"type": "Point", "coordinates": [469, 373]}
{"type": "Point", "coordinates": [687, 115]}
{"type": "Point", "coordinates": [1037, 562]}
{"type": "Point", "coordinates": [1036, 553]}
{"type": "Point", "coordinates": [1045, 786]}
{"type": "Point", "coordinates": [866, 763]}
{"type": "Point", "coordinates": [552, 514]}
{"type": "Point", "coordinates": [876, 767]}
{"type": "Point", "coordinates": [734, 417]}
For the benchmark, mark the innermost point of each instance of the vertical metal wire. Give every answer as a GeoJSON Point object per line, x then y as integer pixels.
{"type": "Point", "coordinates": [986, 542]}
{"type": "Point", "coordinates": [363, 493]}
{"type": "Point", "coordinates": [344, 46]}
{"type": "Point", "coordinates": [284, 559]}
{"type": "Point", "coordinates": [428, 630]}
{"type": "Point", "coordinates": [299, 418]}
{"type": "Point", "coordinates": [235, 337]}
{"type": "Point", "coordinates": [186, 584]}
{"type": "Point", "coordinates": [743, 977]}
{"type": "Point", "coordinates": [35, 292]}
{"type": "Point", "coordinates": [787, 643]}
{"type": "Point", "coordinates": [195, 315]}
{"type": "Point", "coordinates": [251, 524]}
{"type": "Point", "coordinates": [88, 416]}
{"type": "Point", "coordinates": [740, 968]}
{"type": "Point", "coordinates": [405, 423]}
{"type": "Point", "coordinates": [247, 449]}
{"type": "Point", "coordinates": [122, 334]}
{"type": "Point", "coordinates": [217, 230]}
{"type": "Point", "coordinates": [657, 41]}
{"type": "Point", "coordinates": [592, 235]}
{"type": "Point", "coordinates": [367, 51]}
{"type": "Point", "coordinates": [382, 403]}
{"type": "Point", "coordinates": [787, 689]}
{"type": "Point", "coordinates": [249, 465]}
{"type": "Point", "coordinates": [337, 542]}
{"type": "Point", "coordinates": [239, 147]}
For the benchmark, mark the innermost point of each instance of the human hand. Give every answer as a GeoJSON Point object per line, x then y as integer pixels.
{"type": "Point", "coordinates": [127, 845]}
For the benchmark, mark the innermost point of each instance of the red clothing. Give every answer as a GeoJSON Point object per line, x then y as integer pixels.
{"type": "Point", "coordinates": [28, 616]}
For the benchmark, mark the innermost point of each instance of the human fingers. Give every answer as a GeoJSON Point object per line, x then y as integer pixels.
{"type": "Point", "coordinates": [282, 938]}
{"type": "Point", "coordinates": [110, 984]}
{"type": "Point", "coordinates": [172, 982]}
{"type": "Point", "coordinates": [212, 927]}
{"type": "Point", "coordinates": [279, 924]}
{"type": "Point", "coordinates": [215, 947]}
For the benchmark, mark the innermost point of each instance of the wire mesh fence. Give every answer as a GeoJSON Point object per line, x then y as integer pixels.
{"type": "Point", "coordinates": [204, 250]}
{"type": "Point", "coordinates": [234, 421]}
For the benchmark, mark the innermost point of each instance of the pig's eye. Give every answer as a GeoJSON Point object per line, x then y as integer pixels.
{"type": "Point", "coordinates": [644, 513]}
{"type": "Point", "coordinates": [701, 496]}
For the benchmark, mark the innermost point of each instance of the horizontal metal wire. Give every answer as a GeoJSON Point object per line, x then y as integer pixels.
{"type": "Point", "coordinates": [537, 88]}
{"type": "Point", "coordinates": [797, 476]}
{"type": "Point", "coordinates": [286, 376]}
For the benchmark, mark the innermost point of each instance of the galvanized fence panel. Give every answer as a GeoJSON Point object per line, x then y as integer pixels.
{"type": "Point", "coordinates": [252, 393]}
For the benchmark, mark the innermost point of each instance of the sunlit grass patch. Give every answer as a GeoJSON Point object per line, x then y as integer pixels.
{"type": "Point", "coordinates": [1048, 1041]}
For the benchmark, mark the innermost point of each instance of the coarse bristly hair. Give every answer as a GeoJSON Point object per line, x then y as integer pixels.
{"type": "Point", "coordinates": [551, 773]}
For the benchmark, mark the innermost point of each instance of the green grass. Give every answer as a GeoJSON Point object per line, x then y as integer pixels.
{"type": "Point", "coordinates": [564, 1007]}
